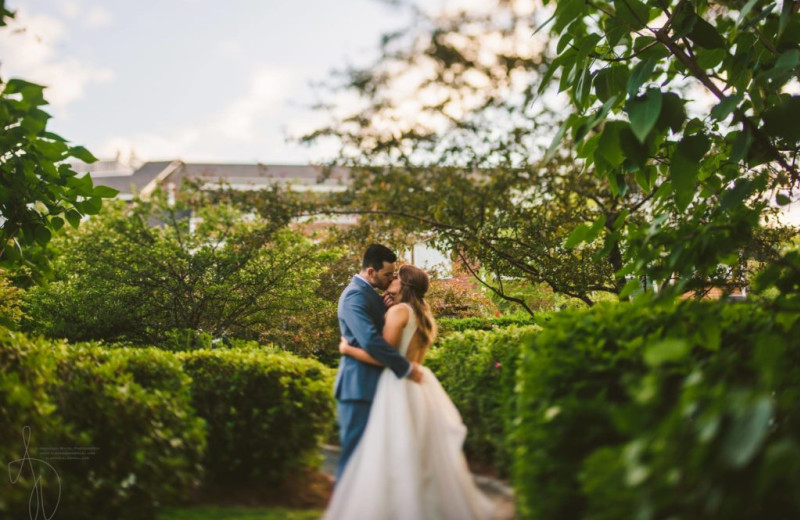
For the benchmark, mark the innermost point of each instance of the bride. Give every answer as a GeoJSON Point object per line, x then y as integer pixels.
{"type": "Point", "coordinates": [408, 464]}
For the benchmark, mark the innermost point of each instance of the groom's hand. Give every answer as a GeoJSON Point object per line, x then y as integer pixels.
{"type": "Point", "coordinates": [416, 372]}
{"type": "Point", "coordinates": [388, 300]}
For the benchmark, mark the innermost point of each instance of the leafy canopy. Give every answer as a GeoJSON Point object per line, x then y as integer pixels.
{"type": "Point", "coordinates": [695, 103]}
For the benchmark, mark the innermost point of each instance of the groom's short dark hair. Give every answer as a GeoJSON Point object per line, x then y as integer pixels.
{"type": "Point", "coordinates": [376, 255]}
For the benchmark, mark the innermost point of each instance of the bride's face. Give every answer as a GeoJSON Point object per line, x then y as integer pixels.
{"type": "Point", "coordinates": [394, 288]}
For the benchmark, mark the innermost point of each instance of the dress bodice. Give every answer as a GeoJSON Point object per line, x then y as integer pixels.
{"type": "Point", "coordinates": [408, 331]}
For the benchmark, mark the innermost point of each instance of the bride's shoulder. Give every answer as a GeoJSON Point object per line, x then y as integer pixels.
{"type": "Point", "coordinates": [399, 311]}
{"type": "Point", "coordinates": [399, 314]}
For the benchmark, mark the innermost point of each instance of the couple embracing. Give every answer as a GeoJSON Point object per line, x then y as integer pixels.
{"type": "Point", "coordinates": [400, 433]}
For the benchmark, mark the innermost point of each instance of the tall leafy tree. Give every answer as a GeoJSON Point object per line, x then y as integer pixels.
{"type": "Point", "coordinates": [454, 136]}
{"type": "Point", "coordinates": [139, 272]}
{"type": "Point", "coordinates": [693, 102]}
{"type": "Point", "coordinates": [39, 191]}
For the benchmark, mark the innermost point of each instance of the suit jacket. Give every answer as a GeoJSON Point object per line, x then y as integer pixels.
{"type": "Point", "coordinates": [361, 319]}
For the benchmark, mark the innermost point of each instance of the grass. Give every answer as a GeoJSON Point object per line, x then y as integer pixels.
{"type": "Point", "coordinates": [236, 513]}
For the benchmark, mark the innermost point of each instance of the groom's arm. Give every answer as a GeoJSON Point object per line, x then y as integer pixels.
{"type": "Point", "coordinates": [369, 337]}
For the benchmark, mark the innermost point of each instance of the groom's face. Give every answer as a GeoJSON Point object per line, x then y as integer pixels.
{"type": "Point", "coordinates": [381, 279]}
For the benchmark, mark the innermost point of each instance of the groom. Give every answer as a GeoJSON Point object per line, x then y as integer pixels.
{"type": "Point", "coordinates": [361, 319]}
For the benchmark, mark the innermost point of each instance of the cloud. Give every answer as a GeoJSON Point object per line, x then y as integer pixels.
{"type": "Point", "coordinates": [235, 127]}
{"type": "Point", "coordinates": [92, 17]}
{"type": "Point", "coordinates": [98, 17]}
{"type": "Point", "coordinates": [28, 47]}
{"type": "Point", "coordinates": [268, 88]}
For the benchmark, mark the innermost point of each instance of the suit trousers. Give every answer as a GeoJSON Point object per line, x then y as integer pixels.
{"type": "Point", "coordinates": [352, 417]}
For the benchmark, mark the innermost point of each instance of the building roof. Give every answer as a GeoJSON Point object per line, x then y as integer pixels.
{"type": "Point", "coordinates": [237, 176]}
{"type": "Point", "coordinates": [134, 182]}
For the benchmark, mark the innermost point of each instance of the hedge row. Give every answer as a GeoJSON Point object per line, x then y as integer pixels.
{"type": "Point", "coordinates": [686, 412]}
{"type": "Point", "coordinates": [449, 325]}
{"type": "Point", "coordinates": [266, 413]}
{"type": "Point", "coordinates": [150, 425]}
{"type": "Point", "coordinates": [477, 368]}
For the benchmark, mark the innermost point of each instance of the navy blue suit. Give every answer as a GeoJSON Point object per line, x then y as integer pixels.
{"type": "Point", "coordinates": [361, 319]}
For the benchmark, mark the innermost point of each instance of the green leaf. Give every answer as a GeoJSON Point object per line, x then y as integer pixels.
{"type": "Point", "coordinates": [733, 197]}
{"type": "Point", "coordinates": [740, 144]}
{"type": "Point", "coordinates": [610, 81]}
{"type": "Point", "coordinates": [782, 200]}
{"type": "Point", "coordinates": [596, 228]}
{"type": "Point", "coordinates": [641, 72]}
{"type": "Point", "coordinates": [53, 137]}
{"type": "Point", "coordinates": [695, 146]}
{"type": "Point", "coordinates": [629, 287]}
{"type": "Point", "coordinates": [32, 94]}
{"type": "Point", "coordinates": [577, 236]}
{"type": "Point", "coordinates": [786, 15]}
{"type": "Point", "coordinates": [79, 152]}
{"type": "Point", "coordinates": [51, 150]}
{"type": "Point", "coordinates": [665, 351]}
{"type": "Point", "coordinates": [608, 146]}
{"type": "Point", "coordinates": [683, 174]}
{"type": "Point", "coordinates": [710, 58]}
{"type": "Point", "coordinates": [673, 113]}
{"type": "Point", "coordinates": [643, 113]}
{"type": "Point", "coordinates": [684, 165]}
{"type": "Point", "coordinates": [585, 233]}
{"type": "Point", "coordinates": [568, 11]}
{"type": "Point", "coordinates": [706, 35]}
{"type": "Point", "coordinates": [635, 152]}
{"type": "Point", "coordinates": [104, 192]}
{"type": "Point", "coordinates": [73, 217]}
{"type": "Point", "coordinates": [782, 120]}
{"type": "Point", "coordinates": [632, 14]}
{"type": "Point", "coordinates": [725, 107]}
{"type": "Point", "coordinates": [580, 93]}
{"type": "Point", "coordinates": [93, 205]}
{"type": "Point", "coordinates": [57, 223]}
{"type": "Point", "coordinates": [81, 185]}
{"type": "Point", "coordinates": [748, 430]}
{"type": "Point", "coordinates": [782, 70]}
{"type": "Point", "coordinates": [41, 234]}
{"type": "Point", "coordinates": [557, 138]}
{"type": "Point", "coordinates": [614, 30]}
{"type": "Point", "coordinates": [745, 11]}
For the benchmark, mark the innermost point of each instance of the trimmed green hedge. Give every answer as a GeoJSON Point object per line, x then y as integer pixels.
{"type": "Point", "coordinates": [266, 413]}
{"type": "Point", "coordinates": [477, 368]}
{"type": "Point", "coordinates": [449, 325]}
{"type": "Point", "coordinates": [133, 407]}
{"type": "Point", "coordinates": [26, 368]}
{"type": "Point", "coordinates": [123, 414]}
{"type": "Point", "coordinates": [682, 412]}
{"type": "Point", "coordinates": [138, 415]}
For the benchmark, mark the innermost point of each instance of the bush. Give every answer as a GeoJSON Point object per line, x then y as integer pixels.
{"type": "Point", "coordinates": [477, 368]}
{"type": "Point", "coordinates": [26, 367]}
{"type": "Point", "coordinates": [126, 410]}
{"type": "Point", "coordinates": [11, 301]}
{"type": "Point", "coordinates": [266, 412]}
{"type": "Point", "coordinates": [228, 276]}
{"type": "Point", "coordinates": [637, 411]}
{"type": "Point", "coordinates": [458, 297]}
{"type": "Point", "coordinates": [133, 407]}
{"type": "Point", "coordinates": [450, 325]}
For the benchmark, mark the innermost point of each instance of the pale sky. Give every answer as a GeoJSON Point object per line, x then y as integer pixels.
{"type": "Point", "coordinates": [198, 80]}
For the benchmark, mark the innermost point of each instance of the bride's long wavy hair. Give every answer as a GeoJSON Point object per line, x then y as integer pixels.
{"type": "Point", "coordinates": [414, 284]}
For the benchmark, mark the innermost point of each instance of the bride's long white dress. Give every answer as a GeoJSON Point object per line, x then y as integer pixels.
{"type": "Point", "coordinates": [409, 464]}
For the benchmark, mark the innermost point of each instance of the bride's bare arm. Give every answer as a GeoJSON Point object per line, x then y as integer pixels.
{"type": "Point", "coordinates": [396, 319]}
{"type": "Point", "coordinates": [357, 353]}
